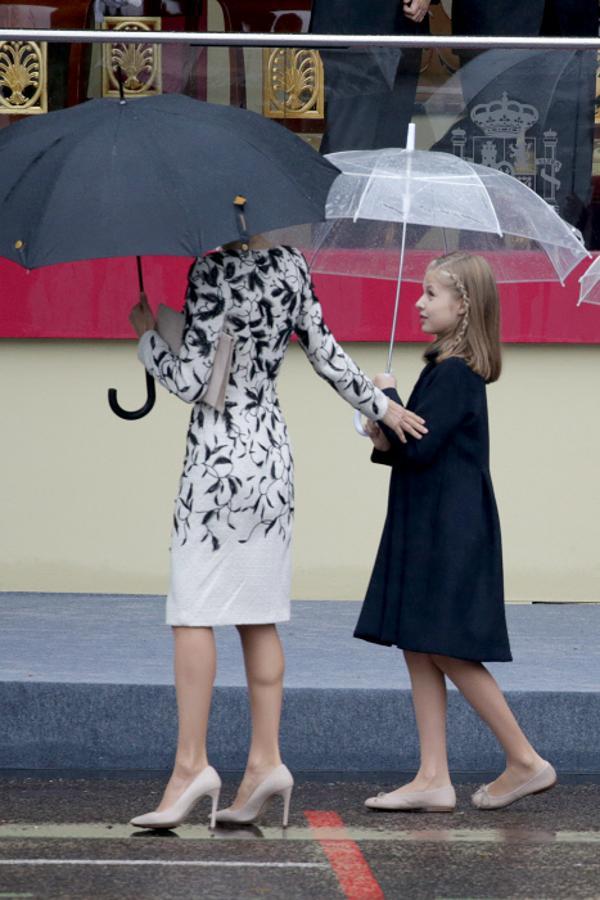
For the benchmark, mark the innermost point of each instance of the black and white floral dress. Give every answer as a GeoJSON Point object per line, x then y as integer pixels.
{"type": "Point", "coordinates": [232, 527]}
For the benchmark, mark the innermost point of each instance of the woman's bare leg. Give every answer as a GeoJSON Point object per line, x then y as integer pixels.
{"type": "Point", "coordinates": [481, 690]}
{"type": "Point", "coordinates": [195, 666]}
{"type": "Point", "coordinates": [429, 699]}
{"type": "Point", "coordinates": [263, 658]}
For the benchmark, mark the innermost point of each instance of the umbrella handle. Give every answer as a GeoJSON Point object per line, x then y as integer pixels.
{"type": "Point", "coordinates": [358, 425]}
{"type": "Point", "coordinates": [136, 413]}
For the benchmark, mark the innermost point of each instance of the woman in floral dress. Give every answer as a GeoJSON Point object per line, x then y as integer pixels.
{"type": "Point", "coordinates": [232, 528]}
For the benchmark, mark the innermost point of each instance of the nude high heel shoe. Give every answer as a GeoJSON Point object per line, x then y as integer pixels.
{"type": "Point", "coordinates": [278, 781]}
{"type": "Point", "coordinates": [436, 800]}
{"type": "Point", "coordinates": [541, 781]}
{"type": "Point", "coordinates": [207, 782]}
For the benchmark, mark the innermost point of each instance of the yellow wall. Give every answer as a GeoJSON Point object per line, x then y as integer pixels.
{"type": "Point", "coordinates": [86, 498]}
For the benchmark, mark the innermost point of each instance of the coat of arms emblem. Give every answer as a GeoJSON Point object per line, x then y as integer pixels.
{"type": "Point", "coordinates": [506, 145]}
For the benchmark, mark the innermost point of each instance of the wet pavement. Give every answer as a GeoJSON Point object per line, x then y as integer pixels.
{"type": "Point", "coordinates": [66, 836]}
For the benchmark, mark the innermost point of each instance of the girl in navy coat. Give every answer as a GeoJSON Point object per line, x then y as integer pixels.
{"type": "Point", "coordinates": [436, 590]}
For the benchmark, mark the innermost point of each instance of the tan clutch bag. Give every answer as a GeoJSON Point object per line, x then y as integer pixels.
{"type": "Point", "coordinates": [170, 324]}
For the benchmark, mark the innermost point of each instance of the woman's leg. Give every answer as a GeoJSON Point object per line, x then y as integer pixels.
{"type": "Point", "coordinates": [195, 666]}
{"type": "Point", "coordinates": [429, 699]}
{"type": "Point", "coordinates": [481, 690]}
{"type": "Point", "coordinates": [263, 658]}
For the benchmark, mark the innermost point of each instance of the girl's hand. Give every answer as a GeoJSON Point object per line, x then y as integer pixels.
{"type": "Point", "coordinates": [142, 317]}
{"type": "Point", "coordinates": [416, 10]}
{"type": "Point", "coordinates": [380, 442]}
{"type": "Point", "coordinates": [404, 422]}
{"type": "Point", "coordinates": [384, 380]}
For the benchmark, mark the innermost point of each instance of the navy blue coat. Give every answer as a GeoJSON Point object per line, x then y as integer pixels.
{"type": "Point", "coordinates": [437, 583]}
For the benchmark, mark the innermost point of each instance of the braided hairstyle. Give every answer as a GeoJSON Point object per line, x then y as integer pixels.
{"type": "Point", "coordinates": [476, 337]}
{"type": "Point", "coordinates": [459, 287]}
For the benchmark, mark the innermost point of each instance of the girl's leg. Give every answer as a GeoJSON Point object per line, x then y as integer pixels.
{"type": "Point", "coordinates": [195, 666]}
{"type": "Point", "coordinates": [429, 699]}
{"type": "Point", "coordinates": [263, 658]}
{"type": "Point", "coordinates": [481, 690]}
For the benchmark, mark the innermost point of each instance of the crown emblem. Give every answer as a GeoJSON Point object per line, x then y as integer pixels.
{"type": "Point", "coordinates": [504, 118]}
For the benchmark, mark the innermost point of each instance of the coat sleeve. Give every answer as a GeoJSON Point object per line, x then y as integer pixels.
{"type": "Point", "coordinates": [327, 357]}
{"type": "Point", "coordinates": [187, 373]}
{"type": "Point", "coordinates": [444, 404]}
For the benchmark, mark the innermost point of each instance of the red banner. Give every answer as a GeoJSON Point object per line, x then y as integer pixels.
{"type": "Point", "coordinates": [92, 300]}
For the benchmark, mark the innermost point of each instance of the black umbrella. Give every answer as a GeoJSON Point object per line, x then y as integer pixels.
{"type": "Point", "coordinates": [155, 175]}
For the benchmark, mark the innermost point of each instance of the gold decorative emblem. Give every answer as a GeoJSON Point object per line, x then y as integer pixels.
{"type": "Point", "coordinates": [293, 84]}
{"type": "Point", "coordinates": [23, 78]}
{"type": "Point", "coordinates": [139, 63]}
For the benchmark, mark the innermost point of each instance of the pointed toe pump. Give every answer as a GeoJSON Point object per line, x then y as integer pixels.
{"type": "Point", "coordinates": [207, 782]}
{"type": "Point", "coordinates": [543, 780]}
{"type": "Point", "coordinates": [436, 800]}
{"type": "Point", "coordinates": [278, 782]}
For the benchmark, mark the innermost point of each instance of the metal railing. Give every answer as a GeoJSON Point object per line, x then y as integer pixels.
{"type": "Point", "coordinates": [316, 41]}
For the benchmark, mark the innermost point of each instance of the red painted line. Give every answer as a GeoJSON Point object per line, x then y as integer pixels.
{"type": "Point", "coordinates": [351, 869]}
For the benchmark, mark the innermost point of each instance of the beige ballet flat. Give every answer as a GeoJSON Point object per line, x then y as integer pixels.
{"type": "Point", "coordinates": [542, 781]}
{"type": "Point", "coordinates": [278, 781]}
{"type": "Point", "coordinates": [437, 800]}
{"type": "Point", "coordinates": [207, 782]}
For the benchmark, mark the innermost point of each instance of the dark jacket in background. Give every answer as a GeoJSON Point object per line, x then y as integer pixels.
{"type": "Point", "coordinates": [370, 94]}
{"type": "Point", "coordinates": [569, 18]}
{"type": "Point", "coordinates": [564, 95]}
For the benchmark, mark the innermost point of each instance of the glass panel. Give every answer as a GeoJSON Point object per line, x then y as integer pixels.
{"type": "Point", "coordinates": [528, 114]}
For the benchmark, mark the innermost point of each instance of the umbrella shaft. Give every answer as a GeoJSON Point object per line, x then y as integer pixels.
{"type": "Point", "coordinates": [140, 274]}
{"type": "Point", "coordinates": [388, 368]}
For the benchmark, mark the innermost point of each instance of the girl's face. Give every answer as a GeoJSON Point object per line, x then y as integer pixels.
{"type": "Point", "coordinates": [439, 307]}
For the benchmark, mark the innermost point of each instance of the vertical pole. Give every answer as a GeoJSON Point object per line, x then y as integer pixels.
{"type": "Point", "coordinates": [410, 146]}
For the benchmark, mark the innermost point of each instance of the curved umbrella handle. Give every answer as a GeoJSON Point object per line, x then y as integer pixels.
{"type": "Point", "coordinates": [358, 425]}
{"type": "Point", "coordinates": [136, 413]}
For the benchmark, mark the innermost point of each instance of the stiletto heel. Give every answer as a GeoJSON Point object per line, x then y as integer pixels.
{"type": "Point", "coordinates": [287, 796]}
{"type": "Point", "coordinates": [207, 782]}
{"type": "Point", "coordinates": [215, 803]}
{"type": "Point", "coordinates": [278, 782]}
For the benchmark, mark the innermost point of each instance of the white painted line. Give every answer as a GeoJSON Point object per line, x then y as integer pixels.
{"type": "Point", "coordinates": [204, 863]}
{"type": "Point", "coordinates": [86, 831]}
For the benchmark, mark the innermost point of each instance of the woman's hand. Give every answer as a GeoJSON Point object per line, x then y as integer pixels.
{"type": "Point", "coordinates": [380, 442]}
{"type": "Point", "coordinates": [404, 422]}
{"type": "Point", "coordinates": [142, 317]}
{"type": "Point", "coordinates": [416, 10]}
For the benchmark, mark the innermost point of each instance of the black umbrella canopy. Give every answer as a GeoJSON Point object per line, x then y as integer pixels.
{"type": "Point", "coordinates": [148, 176]}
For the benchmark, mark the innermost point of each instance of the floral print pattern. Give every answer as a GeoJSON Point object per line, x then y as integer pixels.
{"type": "Point", "coordinates": [237, 484]}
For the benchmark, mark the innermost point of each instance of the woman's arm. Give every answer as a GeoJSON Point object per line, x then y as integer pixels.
{"type": "Point", "coordinates": [338, 369]}
{"type": "Point", "coordinates": [187, 374]}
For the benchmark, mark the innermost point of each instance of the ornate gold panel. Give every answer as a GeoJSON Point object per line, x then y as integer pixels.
{"type": "Point", "coordinates": [23, 78]}
{"type": "Point", "coordinates": [140, 63]}
{"type": "Point", "coordinates": [293, 84]}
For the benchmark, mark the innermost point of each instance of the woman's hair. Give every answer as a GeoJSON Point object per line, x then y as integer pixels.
{"type": "Point", "coordinates": [476, 337]}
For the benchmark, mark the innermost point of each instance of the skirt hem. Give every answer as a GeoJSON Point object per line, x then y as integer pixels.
{"type": "Point", "coordinates": [261, 621]}
{"type": "Point", "coordinates": [404, 645]}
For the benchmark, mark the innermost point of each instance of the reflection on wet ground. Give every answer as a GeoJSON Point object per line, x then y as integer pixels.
{"type": "Point", "coordinates": [67, 836]}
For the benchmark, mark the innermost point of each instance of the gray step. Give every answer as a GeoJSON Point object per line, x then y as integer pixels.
{"type": "Point", "coordinates": [85, 682]}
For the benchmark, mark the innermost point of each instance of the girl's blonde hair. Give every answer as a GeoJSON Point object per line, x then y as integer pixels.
{"type": "Point", "coordinates": [477, 334]}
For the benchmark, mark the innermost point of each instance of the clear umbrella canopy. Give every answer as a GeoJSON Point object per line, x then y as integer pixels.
{"type": "Point", "coordinates": [589, 284]}
{"type": "Point", "coordinates": [435, 202]}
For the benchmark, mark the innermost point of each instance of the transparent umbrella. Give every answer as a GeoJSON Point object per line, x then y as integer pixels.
{"type": "Point", "coordinates": [589, 284]}
{"type": "Point", "coordinates": [391, 211]}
